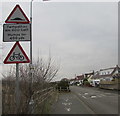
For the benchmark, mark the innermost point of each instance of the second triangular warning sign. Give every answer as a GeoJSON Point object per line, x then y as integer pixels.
{"type": "Point", "coordinates": [17, 16]}
{"type": "Point", "coordinates": [16, 55]}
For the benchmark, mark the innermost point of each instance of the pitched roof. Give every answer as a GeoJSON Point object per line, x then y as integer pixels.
{"type": "Point", "coordinates": [108, 72]}
{"type": "Point", "coordinates": [80, 77]}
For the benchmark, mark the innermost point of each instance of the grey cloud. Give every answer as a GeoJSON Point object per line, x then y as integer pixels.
{"type": "Point", "coordinates": [82, 35]}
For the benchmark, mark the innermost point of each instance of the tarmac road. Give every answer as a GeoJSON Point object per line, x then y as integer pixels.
{"type": "Point", "coordinates": [68, 103]}
{"type": "Point", "coordinates": [86, 100]}
{"type": "Point", "coordinates": [99, 100]}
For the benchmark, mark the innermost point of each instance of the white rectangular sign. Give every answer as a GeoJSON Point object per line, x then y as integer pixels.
{"type": "Point", "coordinates": [16, 32]}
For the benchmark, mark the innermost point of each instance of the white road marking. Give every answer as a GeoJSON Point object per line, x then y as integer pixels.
{"type": "Point", "coordinates": [66, 100]}
{"type": "Point", "coordinates": [68, 109]}
{"type": "Point", "coordinates": [86, 93]}
{"type": "Point", "coordinates": [84, 97]}
{"type": "Point", "coordinates": [102, 94]}
{"type": "Point", "coordinates": [66, 104]}
{"type": "Point", "coordinates": [69, 103]}
{"type": "Point", "coordinates": [93, 96]}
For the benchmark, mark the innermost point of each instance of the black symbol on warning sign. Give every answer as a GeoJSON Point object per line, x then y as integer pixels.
{"type": "Point", "coordinates": [16, 56]}
{"type": "Point", "coordinates": [17, 18]}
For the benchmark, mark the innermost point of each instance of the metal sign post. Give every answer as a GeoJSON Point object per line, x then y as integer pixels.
{"type": "Point", "coordinates": [17, 55]}
{"type": "Point", "coordinates": [19, 30]}
{"type": "Point", "coordinates": [17, 89]}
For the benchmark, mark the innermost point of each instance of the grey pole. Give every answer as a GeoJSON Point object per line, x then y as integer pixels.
{"type": "Point", "coordinates": [17, 88]}
{"type": "Point", "coordinates": [31, 31]}
{"type": "Point", "coordinates": [30, 65]}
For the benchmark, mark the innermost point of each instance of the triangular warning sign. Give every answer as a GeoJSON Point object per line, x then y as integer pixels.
{"type": "Point", "coordinates": [17, 16]}
{"type": "Point", "coordinates": [16, 55]}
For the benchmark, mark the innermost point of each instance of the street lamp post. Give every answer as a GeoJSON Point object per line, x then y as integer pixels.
{"type": "Point", "coordinates": [31, 29]}
{"type": "Point", "coordinates": [30, 65]}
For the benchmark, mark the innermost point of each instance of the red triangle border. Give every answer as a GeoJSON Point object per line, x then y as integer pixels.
{"type": "Point", "coordinates": [8, 62]}
{"type": "Point", "coordinates": [17, 6]}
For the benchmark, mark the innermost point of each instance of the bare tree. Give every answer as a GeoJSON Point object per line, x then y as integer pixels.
{"type": "Point", "coordinates": [32, 81]}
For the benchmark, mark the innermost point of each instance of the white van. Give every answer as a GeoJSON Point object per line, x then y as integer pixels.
{"type": "Point", "coordinates": [95, 82]}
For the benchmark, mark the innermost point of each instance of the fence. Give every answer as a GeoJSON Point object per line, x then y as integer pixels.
{"type": "Point", "coordinates": [39, 97]}
{"type": "Point", "coordinates": [114, 85]}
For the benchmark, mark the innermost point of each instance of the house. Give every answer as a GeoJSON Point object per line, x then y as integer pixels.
{"type": "Point", "coordinates": [108, 74]}
{"type": "Point", "coordinates": [79, 79]}
{"type": "Point", "coordinates": [104, 75]}
{"type": "Point", "coordinates": [89, 76]}
{"type": "Point", "coordinates": [95, 79]}
{"type": "Point", "coordinates": [112, 79]}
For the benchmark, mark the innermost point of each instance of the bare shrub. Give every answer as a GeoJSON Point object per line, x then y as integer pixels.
{"type": "Point", "coordinates": [32, 81]}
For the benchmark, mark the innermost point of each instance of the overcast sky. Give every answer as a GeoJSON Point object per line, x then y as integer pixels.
{"type": "Point", "coordinates": [82, 36]}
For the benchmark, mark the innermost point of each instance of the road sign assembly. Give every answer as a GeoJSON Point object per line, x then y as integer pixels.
{"type": "Point", "coordinates": [17, 16]}
{"type": "Point", "coordinates": [16, 55]}
{"type": "Point", "coordinates": [16, 32]}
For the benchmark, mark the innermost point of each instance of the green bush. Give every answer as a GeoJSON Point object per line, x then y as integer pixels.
{"type": "Point", "coordinates": [63, 85]}
{"type": "Point", "coordinates": [86, 83]}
